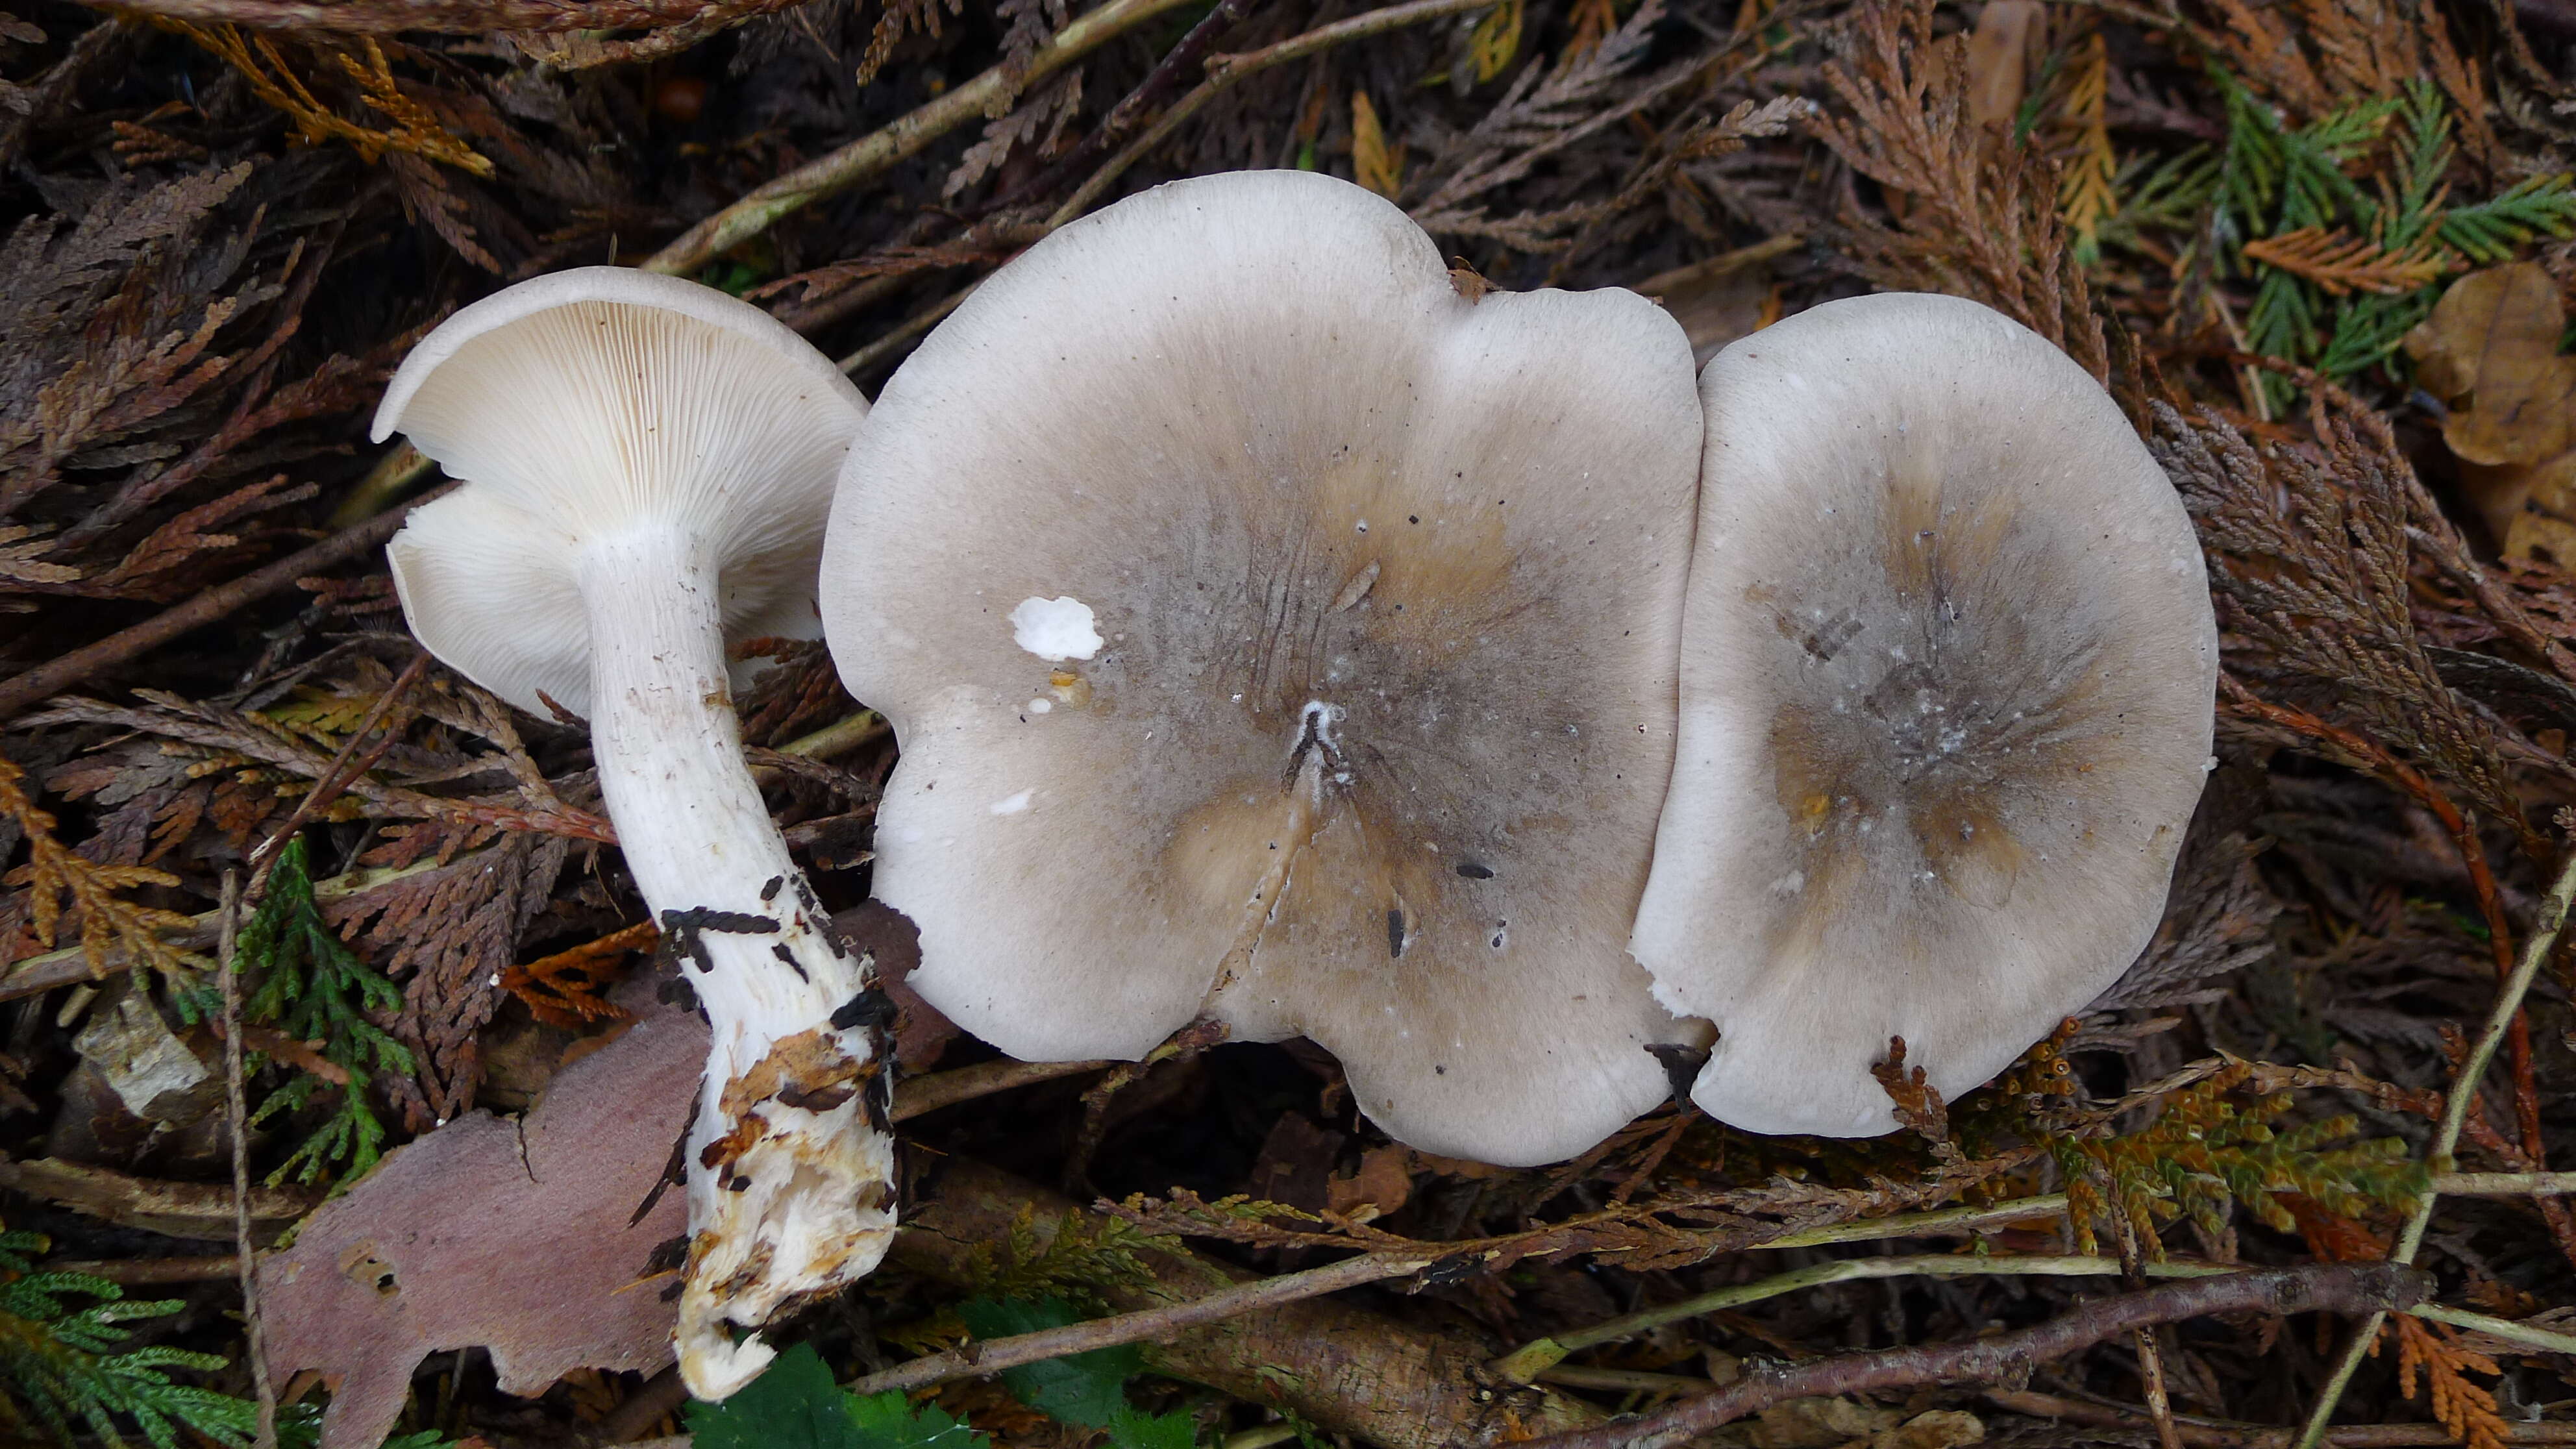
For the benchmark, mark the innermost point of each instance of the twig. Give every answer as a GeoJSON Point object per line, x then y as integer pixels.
{"type": "Point", "coordinates": [237, 1126]}
{"type": "Point", "coordinates": [1524, 1363]}
{"type": "Point", "coordinates": [2221, 1434]}
{"type": "Point", "coordinates": [1527, 1361]}
{"type": "Point", "coordinates": [903, 138]}
{"type": "Point", "coordinates": [1225, 70]}
{"type": "Point", "coordinates": [1152, 1324]}
{"type": "Point", "coordinates": [2506, 1013]}
{"type": "Point", "coordinates": [343, 768]}
{"type": "Point", "coordinates": [2009, 1357]}
{"type": "Point", "coordinates": [395, 474]}
{"type": "Point", "coordinates": [1343, 1369]}
{"type": "Point", "coordinates": [911, 328]}
{"type": "Point", "coordinates": [458, 17]}
{"type": "Point", "coordinates": [1131, 108]}
{"type": "Point", "coordinates": [2503, 1184]}
{"type": "Point", "coordinates": [656, 1399]}
{"type": "Point", "coordinates": [23, 691]}
{"type": "Point", "coordinates": [2504, 1328]}
{"type": "Point", "coordinates": [946, 1089]}
{"type": "Point", "coordinates": [2473, 859]}
{"type": "Point", "coordinates": [144, 1272]}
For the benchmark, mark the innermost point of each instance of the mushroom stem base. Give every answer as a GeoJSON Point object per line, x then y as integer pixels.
{"type": "Point", "coordinates": [790, 1160]}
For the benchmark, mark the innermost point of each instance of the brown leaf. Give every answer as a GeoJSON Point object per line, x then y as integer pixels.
{"type": "Point", "coordinates": [512, 1235]}
{"type": "Point", "coordinates": [2491, 348]}
{"type": "Point", "coordinates": [1378, 1186]}
{"type": "Point", "coordinates": [1999, 60]}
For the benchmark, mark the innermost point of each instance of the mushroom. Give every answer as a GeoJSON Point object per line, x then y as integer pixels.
{"type": "Point", "coordinates": [650, 464]}
{"type": "Point", "coordinates": [1278, 636]}
{"type": "Point", "coordinates": [1947, 675]}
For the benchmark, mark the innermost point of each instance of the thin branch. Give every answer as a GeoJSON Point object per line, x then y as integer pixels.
{"type": "Point", "coordinates": [1524, 1363]}
{"type": "Point", "coordinates": [344, 767]}
{"type": "Point", "coordinates": [22, 692]}
{"type": "Point", "coordinates": [1225, 70]}
{"type": "Point", "coordinates": [906, 136]}
{"type": "Point", "coordinates": [237, 1128]}
{"type": "Point", "coordinates": [2446, 1138]}
{"type": "Point", "coordinates": [2009, 1357]}
{"type": "Point", "coordinates": [2504, 1328]}
{"type": "Point", "coordinates": [2224, 1434]}
{"type": "Point", "coordinates": [1151, 1324]}
{"type": "Point", "coordinates": [458, 17]}
{"type": "Point", "coordinates": [1124, 117]}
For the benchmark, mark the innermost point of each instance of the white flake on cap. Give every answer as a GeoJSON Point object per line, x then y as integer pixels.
{"type": "Point", "coordinates": [1056, 630]}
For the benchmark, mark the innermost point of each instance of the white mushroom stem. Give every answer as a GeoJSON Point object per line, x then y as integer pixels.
{"type": "Point", "coordinates": [790, 1169]}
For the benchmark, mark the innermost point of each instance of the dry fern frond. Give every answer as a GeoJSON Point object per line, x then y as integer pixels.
{"type": "Point", "coordinates": [1982, 222]}
{"type": "Point", "coordinates": [563, 989]}
{"type": "Point", "coordinates": [2465, 1409]}
{"type": "Point", "coordinates": [272, 77]}
{"type": "Point", "coordinates": [2340, 263]}
{"type": "Point", "coordinates": [1374, 164]}
{"type": "Point", "coordinates": [54, 871]}
{"type": "Point", "coordinates": [2085, 196]}
{"type": "Point", "coordinates": [2310, 552]}
{"type": "Point", "coordinates": [899, 19]}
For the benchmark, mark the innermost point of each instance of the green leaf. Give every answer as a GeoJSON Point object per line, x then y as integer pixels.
{"type": "Point", "coordinates": [1130, 1429]}
{"type": "Point", "coordinates": [1085, 1389]}
{"type": "Point", "coordinates": [890, 1421]}
{"type": "Point", "coordinates": [795, 1405]}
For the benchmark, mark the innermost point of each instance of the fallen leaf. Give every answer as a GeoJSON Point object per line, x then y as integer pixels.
{"type": "Point", "coordinates": [1374, 163]}
{"type": "Point", "coordinates": [1939, 1429]}
{"type": "Point", "coordinates": [1819, 1423]}
{"type": "Point", "coordinates": [513, 1235]}
{"type": "Point", "coordinates": [1378, 1186]}
{"type": "Point", "coordinates": [2491, 348]}
{"type": "Point", "coordinates": [1999, 60]}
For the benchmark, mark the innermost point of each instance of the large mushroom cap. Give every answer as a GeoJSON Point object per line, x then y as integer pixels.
{"type": "Point", "coordinates": [584, 401]}
{"type": "Point", "coordinates": [1274, 633]}
{"type": "Point", "coordinates": [1947, 671]}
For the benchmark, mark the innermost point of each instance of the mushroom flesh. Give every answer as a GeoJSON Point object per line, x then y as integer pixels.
{"type": "Point", "coordinates": [649, 465]}
{"type": "Point", "coordinates": [1279, 636]}
{"type": "Point", "coordinates": [1946, 679]}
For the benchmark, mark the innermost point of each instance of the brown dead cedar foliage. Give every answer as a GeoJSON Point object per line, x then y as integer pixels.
{"type": "Point", "coordinates": [227, 219]}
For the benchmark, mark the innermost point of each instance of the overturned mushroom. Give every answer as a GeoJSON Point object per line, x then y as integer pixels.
{"type": "Point", "coordinates": [1947, 672]}
{"type": "Point", "coordinates": [650, 462]}
{"type": "Point", "coordinates": [1277, 635]}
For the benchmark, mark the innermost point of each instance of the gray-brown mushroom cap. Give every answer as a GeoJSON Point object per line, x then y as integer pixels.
{"type": "Point", "coordinates": [1277, 636]}
{"type": "Point", "coordinates": [1947, 675]}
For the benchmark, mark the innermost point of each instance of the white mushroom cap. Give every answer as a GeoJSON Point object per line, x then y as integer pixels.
{"type": "Point", "coordinates": [1278, 636]}
{"type": "Point", "coordinates": [580, 399]}
{"type": "Point", "coordinates": [649, 464]}
{"type": "Point", "coordinates": [1947, 672]}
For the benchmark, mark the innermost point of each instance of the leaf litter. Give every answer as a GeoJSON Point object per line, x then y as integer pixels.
{"type": "Point", "coordinates": [2319, 252]}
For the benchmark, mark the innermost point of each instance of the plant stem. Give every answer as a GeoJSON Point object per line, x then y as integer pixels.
{"type": "Point", "coordinates": [2010, 1356]}
{"type": "Point", "coordinates": [1225, 70]}
{"type": "Point", "coordinates": [905, 137]}
{"type": "Point", "coordinates": [2446, 1137]}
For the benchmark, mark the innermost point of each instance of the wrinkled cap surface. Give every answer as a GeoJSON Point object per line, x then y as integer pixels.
{"type": "Point", "coordinates": [1273, 633]}
{"type": "Point", "coordinates": [1947, 678]}
{"type": "Point", "coordinates": [587, 401]}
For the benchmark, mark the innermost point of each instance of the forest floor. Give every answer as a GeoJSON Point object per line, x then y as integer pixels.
{"type": "Point", "coordinates": [2315, 248]}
